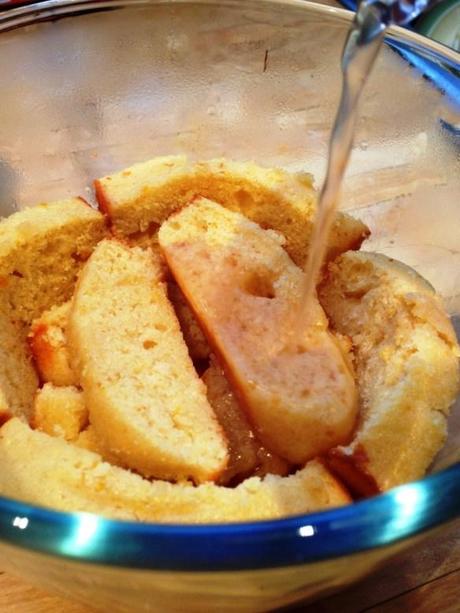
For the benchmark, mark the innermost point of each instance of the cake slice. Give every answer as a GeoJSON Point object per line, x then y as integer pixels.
{"type": "Point", "coordinates": [48, 343]}
{"type": "Point", "coordinates": [247, 456]}
{"type": "Point", "coordinates": [42, 250]}
{"type": "Point", "coordinates": [145, 400]}
{"type": "Point", "coordinates": [60, 411]}
{"type": "Point", "coordinates": [18, 379]}
{"type": "Point", "coordinates": [406, 358]}
{"type": "Point", "coordinates": [88, 439]}
{"type": "Point", "coordinates": [242, 286]}
{"type": "Point", "coordinates": [138, 199]}
{"type": "Point", "coordinates": [68, 478]}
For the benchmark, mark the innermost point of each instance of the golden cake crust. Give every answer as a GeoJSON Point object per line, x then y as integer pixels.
{"type": "Point", "coordinates": [138, 199]}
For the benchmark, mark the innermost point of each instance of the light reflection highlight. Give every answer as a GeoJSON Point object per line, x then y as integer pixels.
{"type": "Point", "coordinates": [307, 530]}
{"type": "Point", "coordinates": [86, 529]}
{"type": "Point", "coordinates": [84, 536]}
{"type": "Point", "coordinates": [20, 522]}
{"type": "Point", "coordinates": [410, 502]}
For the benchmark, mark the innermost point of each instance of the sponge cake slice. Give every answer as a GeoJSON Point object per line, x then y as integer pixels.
{"type": "Point", "coordinates": [145, 400]}
{"type": "Point", "coordinates": [138, 199]}
{"type": "Point", "coordinates": [68, 478]}
{"type": "Point", "coordinates": [242, 287]}
{"type": "Point", "coordinates": [406, 358]}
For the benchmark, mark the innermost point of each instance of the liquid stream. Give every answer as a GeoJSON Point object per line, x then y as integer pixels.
{"type": "Point", "coordinates": [361, 48]}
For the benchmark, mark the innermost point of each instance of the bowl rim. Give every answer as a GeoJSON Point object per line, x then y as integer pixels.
{"type": "Point", "coordinates": [52, 9]}
{"type": "Point", "coordinates": [377, 522]}
{"type": "Point", "coordinates": [384, 520]}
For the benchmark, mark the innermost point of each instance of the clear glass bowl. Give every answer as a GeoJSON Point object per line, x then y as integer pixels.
{"type": "Point", "coordinates": [91, 87]}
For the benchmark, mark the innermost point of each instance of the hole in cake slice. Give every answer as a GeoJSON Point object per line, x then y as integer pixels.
{"type": "Point", "coordinates": [259, 284]}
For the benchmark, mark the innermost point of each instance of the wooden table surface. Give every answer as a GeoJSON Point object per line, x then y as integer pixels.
{"type": "Point", "coordinates": [425, 579]}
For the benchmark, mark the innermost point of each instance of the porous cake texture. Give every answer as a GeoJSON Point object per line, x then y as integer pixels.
{"type": "Point", "coordinates": [144, 397]}
{"type": "Point", "coordinates": [138, 199]}
{"type": "Point", "coordinates": [66, 477]}
{"type": "Point", "coordinates": [243, 287]}
{"type": "Point", "coordinates": [406, 357]}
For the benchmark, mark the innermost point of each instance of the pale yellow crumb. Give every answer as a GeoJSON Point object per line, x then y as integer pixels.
{"type": "Point", "coordinates": [145, 400]}
{"type": "Point", "coordinates": [18, 379]}
{"type": "Point", "coordinates": [42, 249]}
{"type": "Point", "coordinates": [48, 343]}
{"type": "Point", "coordinates": [68, 478]}
{"type": "Point", "coordinates": [60, 411]}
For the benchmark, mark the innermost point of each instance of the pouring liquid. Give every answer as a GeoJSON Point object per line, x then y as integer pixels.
{"type": "Point", "coordinates": [359, 54]}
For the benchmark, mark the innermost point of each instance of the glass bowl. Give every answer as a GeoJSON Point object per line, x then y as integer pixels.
{"type": "Point", "coordinates": [91, 87]}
